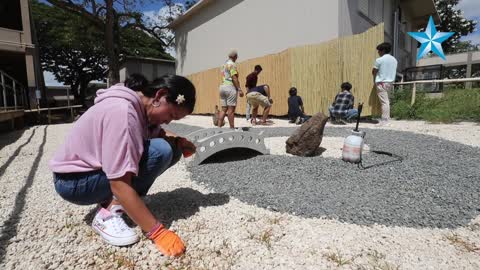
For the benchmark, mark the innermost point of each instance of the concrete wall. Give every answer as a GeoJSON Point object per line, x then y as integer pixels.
{"type": "Point", "coordinates": [407, 45]}
{"type": "Point", "coordinates": [20, 42]}
{"type": "Point", "coordinates": [353, 21]}
{"type": "Point", "coordinates": [263, 27]}
{"type": "Point", "coordinates": [15, 43]}
{"type": "Point", "coordinates": [253, 27]}
{"type": "Point", "coordinates": [452, 60]}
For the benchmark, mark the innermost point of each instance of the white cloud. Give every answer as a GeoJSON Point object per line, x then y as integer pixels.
{"type": "Point", "coordinates": [159, 18]}
{"type": "Point", "coordinates": [470, 8]}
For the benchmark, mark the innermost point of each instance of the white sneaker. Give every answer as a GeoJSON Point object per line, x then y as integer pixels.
{"type": "Point", "coordinates": [298, 120]}
{"type": "Point", "coordinates": [112, 228]}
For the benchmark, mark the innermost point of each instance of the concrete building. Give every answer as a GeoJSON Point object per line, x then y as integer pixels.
{"type": "Point", "coordinates": [207, 31]}
{"type": "Point", "coordinates": [468, 60]}
{"type": "Point", "coordinates": [151, 68]}
{"type": "Point", "coordinates": [18, 55]}
{"type": "Point", "coordinates": [456, 66]}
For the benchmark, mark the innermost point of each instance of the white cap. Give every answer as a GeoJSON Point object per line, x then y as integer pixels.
{"type": "Point", "coordinates": [232, 53]}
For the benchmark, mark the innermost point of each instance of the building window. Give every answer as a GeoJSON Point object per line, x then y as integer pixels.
{"type": "Point", "coordinates": [11, 15]}
{"type": "Point", "coordinates": [372, 10]}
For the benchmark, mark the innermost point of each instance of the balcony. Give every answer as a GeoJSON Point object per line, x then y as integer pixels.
{"type": "Point", "coordinates": [14, 40]}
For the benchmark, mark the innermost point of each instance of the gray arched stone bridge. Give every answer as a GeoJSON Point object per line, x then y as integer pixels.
{"type": "Point", "coordinates": [213, 140]}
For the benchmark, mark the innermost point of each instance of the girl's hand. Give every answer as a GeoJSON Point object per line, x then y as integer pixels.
{"type": "Point", "coordinates": [168, 242]}
{"type": "Point", "coordinates": [186, 146]}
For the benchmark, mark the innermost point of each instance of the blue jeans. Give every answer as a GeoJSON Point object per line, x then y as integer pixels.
{"type": "Point", "coordinates": [350, 113]}
{"type": "Point", "coordinates": [94, 187]}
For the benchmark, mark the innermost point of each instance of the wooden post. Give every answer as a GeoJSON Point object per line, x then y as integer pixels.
{"type": "Point", "coordinates": [4, 92]}
{"type": "Point", "coordinates": [468, 85]}
{"type": "Point", "coordinates": [414, 92]}
{"type": "Point", "coordinates": [12, 119]}
{"type": "Point", "coordinates": [24, 101]}
{"type": "Point", "coordinates": [14, 95]}
{"type": "Point", "coordinates": [69, 105]}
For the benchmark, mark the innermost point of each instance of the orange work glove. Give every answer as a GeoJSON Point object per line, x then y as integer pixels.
{"type": "Point", "coordinates": [168, 242]}
{"type": "Point", "coordinates": [187, 147]}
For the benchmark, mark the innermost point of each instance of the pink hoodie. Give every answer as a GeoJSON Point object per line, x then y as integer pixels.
{"type": "Point", "coordinates": [108, 136]}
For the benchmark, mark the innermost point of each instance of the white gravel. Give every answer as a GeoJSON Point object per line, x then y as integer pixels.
{"type": "Point", "coordinates": [38, 230]}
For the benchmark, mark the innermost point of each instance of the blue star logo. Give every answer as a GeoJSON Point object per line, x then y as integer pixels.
{"type": "Point", "coordinates": [431, 40]}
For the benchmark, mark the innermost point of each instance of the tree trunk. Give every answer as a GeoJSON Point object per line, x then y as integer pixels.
{"type": "Point", "coordinates": [112, 51]}
{"type": "Point", "coordinates": [83, 90]}
{"type": "Point", "coordinates": [74, 91]}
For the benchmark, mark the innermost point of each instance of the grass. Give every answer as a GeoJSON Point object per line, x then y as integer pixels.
{"type": "Point", "coordinates": [275, 220]}
{"type": "Point", "coordinates": [221, 257]}
{"type": "Point", "coordinates": [266, 238]}
{"type": "Point", "coordinates": [337, 258]}
{"type": "Point", "coordinates": [463, 244]}
{"type": "Point", "coordinates": [119, 261]}
{"type": "Point", "coordinates": [455, 105]}
{"type": "Point", "coordinates": [377, 261]}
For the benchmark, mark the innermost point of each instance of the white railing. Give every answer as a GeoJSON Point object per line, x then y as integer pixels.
{"type": "Point", "coordinates": [11, 88]}
{"type": "Point", "coordinates": [50, 109]}
{"type": "Point", "coordinates": [414, 83]}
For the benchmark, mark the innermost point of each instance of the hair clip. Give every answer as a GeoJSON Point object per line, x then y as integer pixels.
{"type": "Point", "coordinates": [180, 99]}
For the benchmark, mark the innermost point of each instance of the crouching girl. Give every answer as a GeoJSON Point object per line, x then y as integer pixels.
{"type": "Point", "coordinates": [116, 150]}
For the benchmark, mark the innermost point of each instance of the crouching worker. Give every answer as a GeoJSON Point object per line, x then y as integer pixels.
{"type": "Point", "coordinates": [260, 96]}
{"type": "Point", "coordinates": [111, 156]}
{"type": "Point", "coordinates": [342, 106]}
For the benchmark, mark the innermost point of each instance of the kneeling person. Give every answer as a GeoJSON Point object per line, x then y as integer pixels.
{"type": "Point", "coordinates": [342, 106]}
{"type": "Point", "coordinates": [260, 96]}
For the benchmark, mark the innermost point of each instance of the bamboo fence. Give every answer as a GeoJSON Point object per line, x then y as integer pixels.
{"type": "Point", "coordinates": [316, 70]}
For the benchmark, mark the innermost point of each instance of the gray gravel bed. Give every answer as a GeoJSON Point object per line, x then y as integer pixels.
{"type": "Point", "coordinates": [437, 184]}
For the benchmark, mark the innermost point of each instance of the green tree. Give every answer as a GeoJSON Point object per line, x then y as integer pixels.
{"type": "Point", "coordinates": [135, 42]}
{"type": "Point", "coordinates": [453, 20]}
{"type": "Point", "coordinates": [69, 48]}
{"type": "Point", "coordinates": [466, 46]}
{"type": "Point", "coordinates": [112, 17]}
{"type": "Point", "coordinates": [72, 48]}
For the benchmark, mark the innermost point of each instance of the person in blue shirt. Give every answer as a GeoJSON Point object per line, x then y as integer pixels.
{"type": "Point", "coordinates": [296, 112]}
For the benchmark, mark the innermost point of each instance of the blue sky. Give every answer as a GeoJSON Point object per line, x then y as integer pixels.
{"type": "Point", "coordinates": [471, 10]}
{"type": "Point", "coordinates": [155, 5]}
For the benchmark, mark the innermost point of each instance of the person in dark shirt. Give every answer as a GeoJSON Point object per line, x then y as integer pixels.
{"type": "Point", "coordinates": [342, 107]}
{"type": "Point", "coordinates": [251, 82]}
{"type": "Point", "coordinates": [296, 112]}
